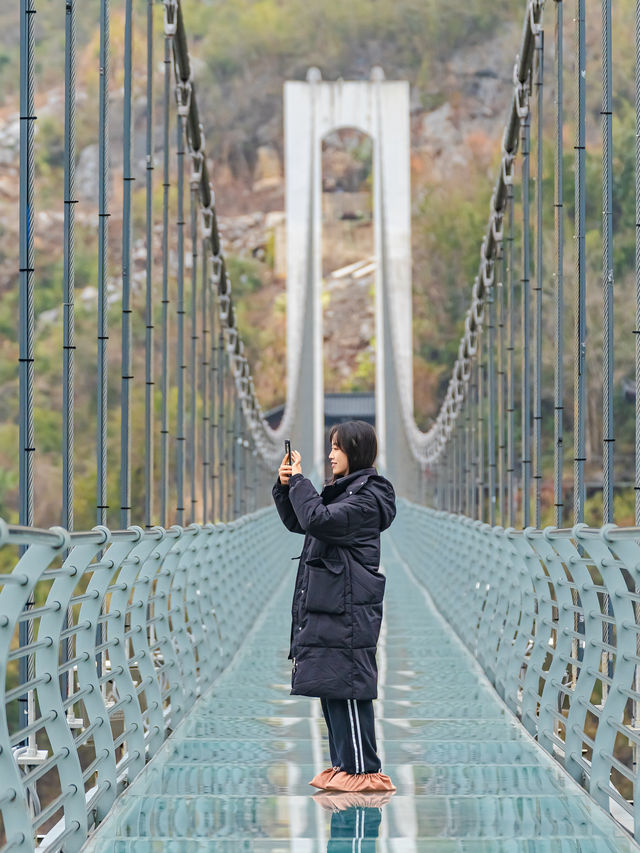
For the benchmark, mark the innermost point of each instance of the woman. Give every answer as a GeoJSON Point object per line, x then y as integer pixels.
{"type": "Point", "coordinates": [337, 602]}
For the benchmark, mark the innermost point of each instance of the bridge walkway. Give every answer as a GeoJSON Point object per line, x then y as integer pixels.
{"type": "Point", "coordinates": [233, 777]}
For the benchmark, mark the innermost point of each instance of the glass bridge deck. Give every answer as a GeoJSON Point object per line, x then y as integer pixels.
{"type": "Point", "coordinates": [234, 776]}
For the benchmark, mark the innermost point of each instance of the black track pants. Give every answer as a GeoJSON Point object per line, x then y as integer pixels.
{"type": "Point", "coordinates": [352, 736]}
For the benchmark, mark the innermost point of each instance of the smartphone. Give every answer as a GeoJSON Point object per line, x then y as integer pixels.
{"type": "Point", "coordinates": [287, 450]}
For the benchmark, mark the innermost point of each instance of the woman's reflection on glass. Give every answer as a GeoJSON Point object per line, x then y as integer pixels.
{"type": "Point", "coordinates": [354, 818]}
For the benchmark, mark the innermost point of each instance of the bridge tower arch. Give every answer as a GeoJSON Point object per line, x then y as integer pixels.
{"type": "Point", "coordinates": [379, 108]}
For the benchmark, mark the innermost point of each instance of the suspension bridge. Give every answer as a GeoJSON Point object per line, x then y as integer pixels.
{"type": "Point", "coordinates": [146, 698]}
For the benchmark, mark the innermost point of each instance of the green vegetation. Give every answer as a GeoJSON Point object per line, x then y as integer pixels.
{"type": "Point", "coordinates": [250, 47]}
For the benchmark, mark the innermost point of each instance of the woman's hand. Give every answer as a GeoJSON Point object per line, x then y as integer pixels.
{"type": "Point", "coordinates": [284, 471]}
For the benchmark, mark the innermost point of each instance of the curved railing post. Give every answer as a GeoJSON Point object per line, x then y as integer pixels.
{"type": "Point", "coordinates": [143, 655]}
{"type": "Point", "coordinates": [553, 694]}
{"type": "Point", "coordinates": [492, 618]}
{"type": "Point", "coordinates": [172, 686]}
{"type": "Point", "coordinates": [88, 653]}
{"type": "Point", "coordinates": [193, 614]}
{"type": "Point", "coordinates": [513, 638]}
{"type": "Point", "coordinates": [617, 612]}
{"type": "Point", "coordinates": [541, 631]}
{"type": "Point", "coordinates": [60, 736]}
{"type": "Point", "coordinates": [18, 587]}
{"type": "Point", "coordinates": [588, 656]}
{"type": "Point", "coordinates": [210, 640]}
{"type": "Point", "coordinates": [179, 563]}
{"type": "Point", "coordinates": [117, 638]}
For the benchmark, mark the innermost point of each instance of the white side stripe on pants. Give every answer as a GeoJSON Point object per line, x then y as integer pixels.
{"type": "Point", "coordinates": [359, 832]}
{"type": "Point", "coordinates": [355, 733]}
{"type": "Point", "coordinates": [355, 708]}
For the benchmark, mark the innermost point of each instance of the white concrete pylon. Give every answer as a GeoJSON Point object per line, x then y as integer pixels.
{"type": "Point", "coordinates": [379, 108]}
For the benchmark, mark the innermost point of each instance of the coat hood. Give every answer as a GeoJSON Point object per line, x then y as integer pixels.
{"type": "Point", "coordinates": [377, 484]}
{"type": "Point", "coordinates": [386, 498]}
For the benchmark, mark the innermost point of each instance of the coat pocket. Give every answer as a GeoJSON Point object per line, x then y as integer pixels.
{"type": "Point", "coordinates": [325, 586]}
{"type": "Point", "coordinates": [367, 585]}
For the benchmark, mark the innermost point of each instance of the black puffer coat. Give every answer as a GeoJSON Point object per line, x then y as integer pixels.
{"type": "Point", "coordinates": [337, 601]}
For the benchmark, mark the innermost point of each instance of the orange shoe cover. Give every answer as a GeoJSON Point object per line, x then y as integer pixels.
{"type": "Point", "coordinates": [358, 782]}
{"type": "Point", "coordinates": [321, 780]}
{"type": "Point", "coordinates": [338, 801]}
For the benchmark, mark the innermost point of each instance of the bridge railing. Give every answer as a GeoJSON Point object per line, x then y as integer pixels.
{"type": "Point", "coordinates": [553, 618]}
{"type": "Point", "coordinates": [128, 628]}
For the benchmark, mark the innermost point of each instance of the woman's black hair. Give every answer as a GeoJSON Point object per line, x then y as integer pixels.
{"type": "Point", "coordinates": [357, 439]}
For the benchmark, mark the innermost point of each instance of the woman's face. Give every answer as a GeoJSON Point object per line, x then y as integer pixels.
{"type": "Point", "coordinates": [339, 460]}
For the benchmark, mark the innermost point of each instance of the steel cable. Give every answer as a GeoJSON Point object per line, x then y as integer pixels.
{"type": "Point", "coordinates": [220, 363]}
{"type": "Point", "coordinates": [471, 456]}
{"type": "Point", "coordinates": [502, 389]}
{"type": "Point", "coordinates": [607, 305]}
{"type": "Point", "coordinates": [68, 340]}
{"type": "Point", "coordinates": [454, 470]}
{"type": "Point", "coordinates": [607, 270]}
{"type": "Point", "coordinates": [166, 187]}
{"type": "Point", "coordinates": [526, 310]}
{"type": "Point", "coordinates": [482, 417]}
{"type": "Point", "coordinates": [558, 438]}
{"type": "Point", "coordinates": [491, 432]}
{"type": "Point", "coordinates": [194, 348]}
{"type": "Point", "coordinates": [27, 258]}
{"type": "Point", "coordinates": [511, 451]}
{"type": "Point", "coordinates": [104, 170]}
{"type": "Point", "coordinates": [460, 427]}
{"type": "Point", "coordinates": [180, 312]}
{"type": "Point", "coordinates": [580, 292]}
{"type": "Point", "coordinates": [451, 451]}
{"type": "Point", "coordinates": [230, 441]}
{"type": "Point", "coordinates": [204, 379]}
{"type": "Point", "coordinates": [127, 370]}
{"type": "Point", "coordinates": [637, 269]}
{"type": "Point", "coordinates": [26, 347]}
{"type": "Point", "coordinates": [149, 339]}
{"type": "Point", "coordinates": [236, 448]}
{"type": "Point", "coordinates": [214, 472]}
{"type": "Point", "coordinates": [636, 679]}
{"type": "Point", "coordinates": [537, 371]}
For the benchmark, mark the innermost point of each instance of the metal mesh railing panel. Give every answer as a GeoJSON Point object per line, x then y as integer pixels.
{"type": "Point", "coordinates": [552, 618]}
{"type": "Point", "coordinates": [140, 623]}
